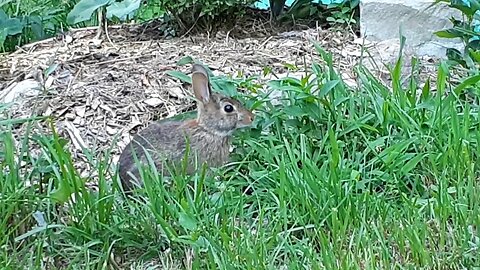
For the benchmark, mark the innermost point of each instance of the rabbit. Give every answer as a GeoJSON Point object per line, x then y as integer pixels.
{"type": "Point", "coordinates": [208, 135]}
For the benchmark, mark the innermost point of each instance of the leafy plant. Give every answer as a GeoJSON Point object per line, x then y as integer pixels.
{"type": "Point", "coordinates": [187, 13]}
{"type": "Point", "coordinates": [206, 14]}
{"type": "Point", "coordinates": [343, 12]}
{"type": "Point", "coordinates": [121, 10]}
{"type": "Point", "coordinates": [22, 22]}
{"type": "Point", "coordinates": [336, 11]}
{"type": "Point", "coordinates": [467, 29]}
{"type": "Point", "coordinates": [9, 26]}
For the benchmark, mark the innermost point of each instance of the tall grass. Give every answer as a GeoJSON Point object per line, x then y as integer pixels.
{"type": "Point", "coordinates": [377, 177]}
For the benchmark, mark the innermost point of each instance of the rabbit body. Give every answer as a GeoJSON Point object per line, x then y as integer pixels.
{"type": "Point", "coordinates": [208, 136]}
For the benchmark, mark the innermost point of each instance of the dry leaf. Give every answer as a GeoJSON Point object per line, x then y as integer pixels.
{"type": "Point", "coordinates": [80, 111]}
{"type": "Point", "coordinates": [153, 102]}
{"type": "Point", "coordinates": [176, 92]}
{"type": "Point", "coordinates": [111, 131]}
{"type": "Point", "coordinates": [95, 104]}
{"type": "Point", "coordinates": [49, 82]}
{"type": "Point", "coordinates": [75, 136]}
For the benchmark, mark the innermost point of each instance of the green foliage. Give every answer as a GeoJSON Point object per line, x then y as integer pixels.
{"type": "Point", "coordinates": [329, 177]}
{"type": "Point", "coordinates": [123, 9]}
{"type": "Point", "coordinates": [150, 10]}
{"type": "Point", "coordinates": [25, 21]}
{"type": "Point", "coordinates": [9, 26]}
{"type": "Point", "coordinates": [84, 9]}
{"type": "Point", "coordinates": [468, 30]}
{"type": "Point", "coordinates": [205, 13]}
{"type": "Point", "coordinates": [186, 13]}
{"type": "Point", "coordinates": [29, 20]}
{"type": "Point", "coordinates": [343, 13]}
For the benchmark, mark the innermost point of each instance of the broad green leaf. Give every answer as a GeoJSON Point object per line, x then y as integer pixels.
{"type": "Point", "coordinates": [474, 44]}
{"type": "Point", "coordinates": [13, 26]}
{"type": "Point", "coordinates": [224, 86]}
{"type": "Point", "coordinates": [62, 193]}
{"type": "Point", "coordinates": [475, 54]}
{"type": "Point", "coordinates": [455, 55]}
{"type": "Point", "coordinates": [37, 27]}
{"type": "Point", "coordinates": [470, 81]}
{"type": "Point", "coordinates": [327, 87]}
{"type": "Point", "coordinates": [123, 9]}
{"type": "Point", "coordinates": [185, 60]}
{"type": "Point", "coordinates": [50, 69]}
{"type": "Point", "coordinates": [187, 222]}
{"type": "Point", "coordinates": [469, 11]}
{"type": "Point", "coordinates": [9, 26]}
{"type": "Point", "coordinates": [84, 9]}
{"type": "Point", "coordinates": [295, 111]}
{"type": "Point", "coordinates": [449, 33]}
{"type": "Point", "coordinates": [179, 75]}
{"type": "Point", "coordinates": [292, 81]}
{"type": "Point", "coordinates": [475, 4]}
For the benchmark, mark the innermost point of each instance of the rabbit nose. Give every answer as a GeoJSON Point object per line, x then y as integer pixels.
{"type": "Point", "coordinates": [245, 118]}
{"type": "Point", "coordinates": [249, 118]}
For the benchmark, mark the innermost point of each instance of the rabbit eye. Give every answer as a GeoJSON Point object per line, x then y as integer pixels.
{"type": "Point", "coordinates": [228, 108]}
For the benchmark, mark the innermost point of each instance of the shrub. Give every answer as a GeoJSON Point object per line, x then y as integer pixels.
{"type": "Point", "coordinates": [22, 22]}
{"type": "Point", "coordinates": [205, 13]}
{"type": "Point", "coordinates": [186, 13]}
{"type": "Point", "coordinates": [468, 30]}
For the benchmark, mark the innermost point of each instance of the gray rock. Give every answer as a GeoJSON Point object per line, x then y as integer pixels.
{"type": "Point", "coordinates": [19, 90]}
{"type": "Point", "coordinates": [382, 20]}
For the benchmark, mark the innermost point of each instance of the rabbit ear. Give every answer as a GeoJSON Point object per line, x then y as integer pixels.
{"type": "Point", "coordinates": [199, 68]}
{"type": "Point", "coordinates": [200, 83]}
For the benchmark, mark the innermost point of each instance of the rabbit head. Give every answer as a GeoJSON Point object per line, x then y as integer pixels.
{"type": "Point", "coordinates": [217, 113]}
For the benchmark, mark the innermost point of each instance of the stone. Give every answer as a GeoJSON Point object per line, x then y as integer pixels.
{"type": "Point", "coordinates": [20, 90]}
{"type": "Point", "coordinates": [382, 20]}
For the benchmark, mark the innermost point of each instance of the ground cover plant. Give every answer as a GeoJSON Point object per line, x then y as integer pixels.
{"type": "Point", "coordinates": [330, 177]}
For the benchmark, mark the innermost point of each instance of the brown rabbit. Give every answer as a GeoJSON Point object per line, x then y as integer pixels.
{"type": "Point", "coordinates": [208, 136]}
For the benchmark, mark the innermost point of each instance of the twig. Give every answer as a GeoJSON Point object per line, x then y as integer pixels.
{"type": "Point", "coordinates": [265, 42]}
{"type": "Point", "coordinates": [191, 28]}
{"type": "Point", "coordinates": [118, 60]}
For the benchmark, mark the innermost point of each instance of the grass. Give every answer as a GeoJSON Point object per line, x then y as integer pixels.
{"type": "Point", "coordinates": [377, 177]}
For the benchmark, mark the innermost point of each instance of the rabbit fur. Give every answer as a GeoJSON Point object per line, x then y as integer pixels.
{"type": "Point", "coordinates": [208, 136]}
